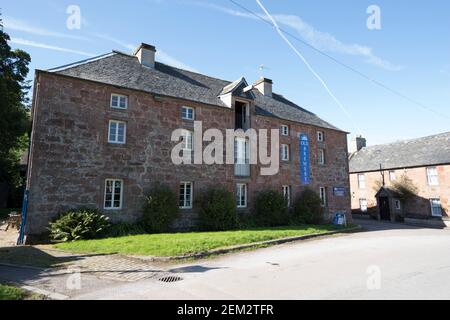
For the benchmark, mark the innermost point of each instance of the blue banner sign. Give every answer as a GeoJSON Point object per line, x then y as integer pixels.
{"type": "Point", "coordinates": [339, 191]}
{"type": "Point", "coordinates": [305, 176]}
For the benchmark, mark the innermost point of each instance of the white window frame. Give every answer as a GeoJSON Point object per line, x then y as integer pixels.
{"type": "Point", "coordinates": [285, 152]}
{"type": "Point", "coordinates": [284, 130]}
{"type": "Point", "coordinates": [287, 194]}
{"type": "Point", "coordinates": [432, 178]}
{"type": "Point", "coordinates": [119, 97]}
{"type": "Point", "coordinates": [361, 182]}
{"type": "Point", "coordinates": [116, 139]}
{"type": "Point", "coordinates": [397, 204]}
{"type": "Point", "coordinates": [241, 187]}
{"type": "Point", "coordinates": [187, 113]}
{"type": "Point", "coordinates": [321, 156]}
{"type": "Point", "coordinates": [363, 205]}
{"type": "Point", "coordinates": [320, 136]}
{"type": "Point", "coordinates": [436, 205]}
{"type": "Point", "coordinates": [323, 196]}
{"type": "Point", "coordinates": [113, 194]}
{"type": "Point", "coordinates": [392, 175]}
{"type": "Point", "coordinates": [183, 185]}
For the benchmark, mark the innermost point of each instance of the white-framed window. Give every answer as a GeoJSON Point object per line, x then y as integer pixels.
{"type": "Point", "coordinates": [361, 181]}
{"type": "Point", "coordinates": [321, 156]}
{"type": "Point", "coordinates": [287, 194]}
{"type": "Point", "coordinates": [323, 196]}
{"type": "Point", "coordinates": [188, 141]}
{"type": "Point", "coordinates": [241, 195]}
{"type": "Point", "coordinates": [113, 194]}
{"type": "Point", "coordinates": [320, 136]}
{"type": "Point", "coordinates": [285, 152]}
{"type": "Point", "coordinates": [392, 176]}
{"type": "Point", "coordinates": [117, 132]}
{"type": "Point", "coordinates": [284, 130]}
{"type": "Point", "coordinates": [363, 205]}
{"type": "Point", "coordinates": [398, 204]}
{"type": "Point", "coordinates": [186, 195]}
{"type": "Point", "coordinates": [119, 101]}
{"type": "Point", "coordinates": [187, 113]}
{"type": "Point", "coordinates": [432, 176]}
{"type": "Point", "coordinates": [436, 208]}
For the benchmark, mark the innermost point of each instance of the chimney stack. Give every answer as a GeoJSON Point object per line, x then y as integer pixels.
{"type": "Point", "coordinates": [358, 143]}
{"type": "Point", "coordinates": [264, 86]}
{"type": "Point", "coordinates": [146, 55]}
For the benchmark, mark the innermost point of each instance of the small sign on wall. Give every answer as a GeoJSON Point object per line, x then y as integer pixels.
{"type": "Point", "coordinates": [339, 191]}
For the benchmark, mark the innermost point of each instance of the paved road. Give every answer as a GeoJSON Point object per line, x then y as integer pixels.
{"type": "Point", "coordinates": [389, 261]}
{"type": "Point", "coordinates": [412, 263]}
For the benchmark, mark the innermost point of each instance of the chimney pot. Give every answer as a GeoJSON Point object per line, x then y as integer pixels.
{"type": "Point", "coordinates": [146, 55]}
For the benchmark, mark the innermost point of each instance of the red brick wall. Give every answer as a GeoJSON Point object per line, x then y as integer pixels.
{"type": "Point", "coordinates": [71, 157]}
{"type": "Point", "coordinates": [420, 206]}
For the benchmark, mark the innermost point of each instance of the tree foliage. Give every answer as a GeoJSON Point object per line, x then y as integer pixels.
{"type": "Point", "coordinates": [14, 119]}
{"type": "Point", "coordinates": [405, 187]}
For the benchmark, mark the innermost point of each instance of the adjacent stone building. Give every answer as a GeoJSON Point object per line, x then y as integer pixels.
{"type": "Point", "coordinates": [102, 136]}
{"type": "Point", "coordinates": [375, 170]}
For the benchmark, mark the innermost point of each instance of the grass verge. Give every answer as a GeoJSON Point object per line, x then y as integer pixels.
{"type": "Point", "coordinates": [180, 244]}
{"type": "Point", "coordinates": [8, 292]}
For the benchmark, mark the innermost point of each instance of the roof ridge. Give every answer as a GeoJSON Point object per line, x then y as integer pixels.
{"type": "Point", "coordinates": [407, 140]}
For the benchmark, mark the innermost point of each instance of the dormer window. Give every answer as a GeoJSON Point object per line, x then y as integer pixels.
{"type": "Point", "coordinates": [187, 113]}
{"type": "Point", "coordinates": [119, 101]}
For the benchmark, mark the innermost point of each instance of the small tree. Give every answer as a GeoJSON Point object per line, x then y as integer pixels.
{"type": "Point", "coordinates": [308, 208]}
{"type": "Point", "coordinates": [160, 209]}
{"type": "Point", "coordinates": [271, 208]}
{"type": "Point", "coordinates": [217, 210]}
{"type": "Point", "coordinates": [405, 188]}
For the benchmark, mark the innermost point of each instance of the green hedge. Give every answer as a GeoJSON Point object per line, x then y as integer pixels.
{"type": "Point", "coordinates": [217, 209]}
{"type": "Point", "coordinates": [307, 208]}
{"type": "Point", "coordinates": [271, 208]}
{"type": "Point", "coordinates": [160, 209]}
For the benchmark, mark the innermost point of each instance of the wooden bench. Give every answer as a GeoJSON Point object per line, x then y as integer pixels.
{"type": "Point", "coordinates": [14, 221]}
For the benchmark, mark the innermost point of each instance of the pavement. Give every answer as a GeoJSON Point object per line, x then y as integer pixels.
{"type": "Point", "coordinates": [387, 261]}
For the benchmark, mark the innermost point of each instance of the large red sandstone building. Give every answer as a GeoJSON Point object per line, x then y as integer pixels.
{"type": "Point", "coordinates": [102, 136]}
{"type": "Point", "coordinates": [424, 161]}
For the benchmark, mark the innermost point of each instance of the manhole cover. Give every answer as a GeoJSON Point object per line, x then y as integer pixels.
{"type": "Point", "coordinates": [170, 279]}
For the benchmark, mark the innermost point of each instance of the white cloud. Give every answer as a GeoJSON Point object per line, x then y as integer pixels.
{"type": "Point", "coordinates": [321, 40]}
{"type": "Point", "coordinates": [49, 47]}
{"type": "Point", "coordinates": [19, 25]}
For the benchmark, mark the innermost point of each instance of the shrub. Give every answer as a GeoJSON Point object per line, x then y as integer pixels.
{"type": "Point", "coordinates": [308, 208]}
{"type": "Point", "coordinates": [217, 211]}
{"type": "Point", "coordinates": [160, 210]}
{"type": "Point", "coordinates": [405, 187]}
{"type": "Point", "coordinates": [79, 224]}
{"type": "Point", "coordinates": [271, 208]}
{"type": "Point", "coordinates": [122, 229]}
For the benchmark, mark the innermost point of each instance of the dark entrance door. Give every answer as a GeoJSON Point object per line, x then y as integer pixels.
{"type": "Point", "coordinates": [385, 212]}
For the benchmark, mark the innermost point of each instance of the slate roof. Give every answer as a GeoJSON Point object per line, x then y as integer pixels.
{"type": "Point", "coordinates": [124, 70]}
{"type": "Point", "coordinates": [432, 150]}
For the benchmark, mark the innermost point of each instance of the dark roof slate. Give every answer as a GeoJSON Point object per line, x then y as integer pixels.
{"type": "Point", "coordinates": [425, 151]}
{"type": "Point", "coordinates": [125, 71]}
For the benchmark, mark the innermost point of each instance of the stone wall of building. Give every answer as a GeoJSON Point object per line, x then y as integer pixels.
{"type": "Point", "coordinates": [418, 206]}
{"type": "Point", "coordinates": [71, 156]}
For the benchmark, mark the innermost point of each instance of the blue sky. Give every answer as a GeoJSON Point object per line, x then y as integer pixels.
{"type": "Point", "coordinates": [411, 52]}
